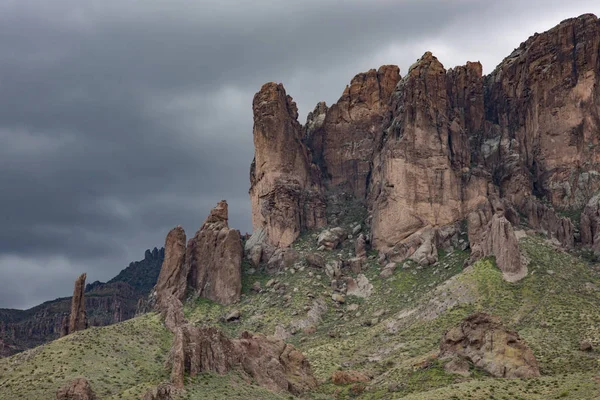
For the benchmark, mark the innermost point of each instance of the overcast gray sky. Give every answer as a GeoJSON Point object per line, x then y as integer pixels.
{"type": "Point", "coordinates": [120, 119]}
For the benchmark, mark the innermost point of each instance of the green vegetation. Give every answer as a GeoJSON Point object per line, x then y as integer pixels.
{"type": "Point", "coordinates": [392, 336]}
{"type": "Point", "coordinates": [120, 361]}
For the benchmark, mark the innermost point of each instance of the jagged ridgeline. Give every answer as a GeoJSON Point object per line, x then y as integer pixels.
{"type": "Point", "coordinates": [432, 235]}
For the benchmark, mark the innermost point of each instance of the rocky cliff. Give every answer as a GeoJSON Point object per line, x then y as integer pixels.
{"type": "Point", "coordinates": [285, 187]}
{"type": "Point", "coordinates": [342, 138]}
{"type": "Point", "coordinates": [426, 150]}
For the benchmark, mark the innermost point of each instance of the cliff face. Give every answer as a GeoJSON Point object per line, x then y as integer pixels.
{"type": "Point", "coordinates": [543, 105]}
{"type": "Point", "coordinates": [343, 143]}
{"type": "Point", "coordinates": [105, 304]}
{"type": "Point", "coordinates": [285, 188]}
{"type": "Point", "coordinates": [421, 174]}
{"type": "Point", "coordinates": [427, 150]}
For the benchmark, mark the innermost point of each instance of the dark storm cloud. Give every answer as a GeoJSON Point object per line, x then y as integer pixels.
{"type": "Point", "coordinates": [121, 119]}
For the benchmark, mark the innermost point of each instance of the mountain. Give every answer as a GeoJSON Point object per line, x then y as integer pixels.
{"type": "Point", "coordinates": [429, 236]}
{"type": "Point", "coordinates": [106, 303]}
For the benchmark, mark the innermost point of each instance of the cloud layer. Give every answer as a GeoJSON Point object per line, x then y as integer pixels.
{"type": "Point", "coordinates": [121, 119]}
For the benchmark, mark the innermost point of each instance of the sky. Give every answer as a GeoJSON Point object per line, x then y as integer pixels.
{"type": "Point", "coordinates": [120, 119]}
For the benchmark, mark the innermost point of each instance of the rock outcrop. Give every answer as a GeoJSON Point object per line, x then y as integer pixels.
{"type": "Point", "coordinates": [210, 266]}
{"type": "Point", "coordinates": [271, 362]}
{"type": "Point", "coordinates": [481, 339]}
{"type": "Point", "coordinates": [343, 143]}
{"type": "Point", "coordinates": [164, 391]}
{"type": "Point", "coordinates": [421, 176]}
{"type": "Point", "coordinates": [492, 234]}
{"type": "Point", "coordinates": [78, 389]}
{"type": "Point", "coordinates": [214, 258]}
{"type": "Point", "coordinates": [590, 224]}
{"type": "Point", "coordinates": [172, 280]}
{"type": "Point", "coordinates": [285, 189]}
{"type": "Point", "coordinates": [78, 318]}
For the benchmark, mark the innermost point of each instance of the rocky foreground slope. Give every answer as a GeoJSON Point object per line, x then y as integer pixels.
{"type": "Point", "coordinates": [430, 236]}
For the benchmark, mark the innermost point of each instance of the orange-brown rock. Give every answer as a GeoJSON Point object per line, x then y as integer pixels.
{"type": "Point", "coordinates": [342, 137]}
{"type": "Point", "coordinates": [78, 389]}
{"type": "Point", "coordinates": [271, 362]}
{"type": "Point", "coordinates": [543, 107]}
{"type": "Point", "coordinates": [481, 339]}
{"type": "Point", "coordinates": [214, 258]}
{"type": "Point", "coordinates": [347, 377]}
{"type": "Point", "coordinates": [172, 280]}
{"type": "Point", "coordinates": [78, 318]}
{"type": "Point", "coordinates": [417, 181]}
{"type": "Point", "coordinates": [285, 189]}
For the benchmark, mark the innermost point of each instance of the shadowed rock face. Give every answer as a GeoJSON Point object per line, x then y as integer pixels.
{"type": "Point", "coordinates": [79, 389]}
{"type": "Point", "coordinates": [270, 361]}
{"type": "Point", "coordinates": [343, 143]}
{"type": "Point", "coordinates": [285, 186]}
{"type": "Point", "coordinates": [544, 103]}
{"type": "Point", "coordinates": [418, 178]}
{"type": "Point", "coordinates": [78, 318]}
{"type": "Point", "coordinates": [214, 258]}
{"type": "Point", "coordinates": [483, 340]}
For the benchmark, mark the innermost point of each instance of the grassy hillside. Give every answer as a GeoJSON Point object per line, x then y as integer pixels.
{"type": "Point", "coordinates": [120, 361]}
{"type": "Point", "coordinates": [392, 336]}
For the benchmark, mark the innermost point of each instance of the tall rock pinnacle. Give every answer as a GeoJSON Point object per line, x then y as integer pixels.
{"type": "Point", "coordinates": [214, 258]}
{"type": "Point", "coordinates": [172, 280]}
{"type": "Point", "coordinates": [285, 188]}
{"type": "Point", "coordinates": [78, 319]}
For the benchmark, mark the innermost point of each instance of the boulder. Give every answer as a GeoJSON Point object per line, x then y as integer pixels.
{"type": "Point", "coordinates": [281, 259]}
{"type": "Point", "coordinates": [361, 287]}
{"type": "Point", "coordinates": [348, 377]}
{"type": "Point", "coordinates": [333, 269]}
{"type": "Point", "coordinates": [164, 391]}
{"type": "Point", "coordinates": [355, 264]}
{"type": "Point", "coordinates": [331, 238]}
{"type": "Point", "coordinates": [315, 260]}
{"type": "Point", "coordinates": [481, 339]}
{"type": "Point", "coordinates": [270, 361]}
{"type": "Point", "coordinates": [388, 270]}
{"type": "Point", "coordinates": [78, 389]}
